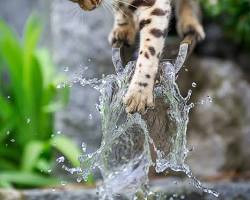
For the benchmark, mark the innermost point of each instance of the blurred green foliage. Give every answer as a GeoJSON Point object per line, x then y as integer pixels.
{"type": "Point", "coordinates": [28, 101]}
{"type": "Point", "coordinates": [233, 15]}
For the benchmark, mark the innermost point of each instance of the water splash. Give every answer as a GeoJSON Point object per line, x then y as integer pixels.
{"type": "Point", "coordinates": [60, 159]}
{"type": "Point", "coordinates": [194, 85]}
{"type": "Point", "coordinates": [12, 140]}
{"type": "Point", "coordinates": [125, 154]}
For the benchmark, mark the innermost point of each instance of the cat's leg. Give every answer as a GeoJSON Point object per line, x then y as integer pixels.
{"type": "Point", "coordinates": [124, 29]}
{"type": "Point", "coordinates": [188, 16]}
{"type": "Point", "coordinates": [153, 24]}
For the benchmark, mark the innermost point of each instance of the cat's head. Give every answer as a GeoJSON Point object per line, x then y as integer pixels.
{"type": "Point", "coordinates": [87, 4]}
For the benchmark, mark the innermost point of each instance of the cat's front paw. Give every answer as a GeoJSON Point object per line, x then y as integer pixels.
{"type": "Point", "coordinates": [139, 97]}
{"type": "Point", "coordinates": [190, 24]}
{"type": "Point", "coordinates": [122, 34]}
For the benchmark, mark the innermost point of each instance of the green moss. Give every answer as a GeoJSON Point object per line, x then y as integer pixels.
{"type": "Point", "coordinates": [233, 15]}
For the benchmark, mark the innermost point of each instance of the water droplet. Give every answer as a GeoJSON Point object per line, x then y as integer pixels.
{"type": "Point", "coordinates": [79, 179]}
{"type": "Point", "coordinates": [8, 132]}
{"type": "Point", "coordinates": [63, 183]}
{"type": "Point", "coordinates": [60, 159]}
{"type": "Point", "coordinates": [190, 149]}
{"type": "Point", "coordinates": [52, 135]}
{"type": "Point", "coordinates": [175, 195]}
{"type": "Point", "coordinates": [28, 120]}
{"type": "Point", "coordinates": [90, 117]}
{"type": "Point", "coordinates": [191, 105]}
{"type": "Point", "coordinates": [58, 132]}
{"type": "Point", "coordinates": [89, 60]}
{"type": "Point", "coordinates": [49, 171]}
{"type": "Point", "coordinates": [8, 97]}
{"type": "Point", "coordinates": [12, 140]}
{"type": "Point", "coordinates": [97, 106]}
{"type": "Point", "coordinates": [66, 69]}
{"type": "Point", "coordinates": [84, 147]}
{"type": "Point", "coordinates": [194, 85]}
{"type": "Point", "coordinates": [210, 99]}
{"type": "Point", "coordinates": [58, 86]}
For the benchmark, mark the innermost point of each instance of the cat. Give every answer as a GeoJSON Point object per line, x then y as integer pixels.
{"type": "Point", "coordinates": [151, 19]}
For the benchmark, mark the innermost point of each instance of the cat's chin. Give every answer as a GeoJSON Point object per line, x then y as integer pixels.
{"type": "Point", "coordinates": [91, 5]}
{"type": "Point", "coordinates": [88, 5]}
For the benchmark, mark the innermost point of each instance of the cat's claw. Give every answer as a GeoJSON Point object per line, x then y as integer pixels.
{"type": "Point", "coordinates": [190, 24]}
{"type": "Point", "coordinates": [138, 100]}
{"type": "Point", "coordinates": [122, 35]}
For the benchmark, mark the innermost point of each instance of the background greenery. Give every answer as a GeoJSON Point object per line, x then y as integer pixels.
{"type": "Point", "coordinates": [233, 16]}
{"type": "Point", "coordinates": [28, 101]}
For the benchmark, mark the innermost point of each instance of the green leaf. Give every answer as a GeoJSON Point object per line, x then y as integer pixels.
{"type": "Point", "coordinates": [27, 179]}
{"type": "Point", "coordinates": [48, 69]}
{"type": "Point", "coordinates": [90, 180]}
{"type": "Point", "coordinates": [10, 153]}
{"type": "Point", "coordinates": [5, 184]}
{"type": "Point", "coordinates": [60, 102]}
{"type": "Point", "coordinates": [69, 149]}
{"type": "Point", "coordinates": [31, 37]}
{"type": "Point", "coordinates": [6, 127]}
{"type": "Point", "coordinates": [7, 117]}
{"type": "Point", "coordinates": [6, 164]}
{"type": "Point", "coordinates": [10, 48]}
{"type": "Point", "coordinates": [34, 96]}
{"type": "Point", "coordinates": [6, 108]}
{"type": "Point", "coordinates": [32, 75]}
{"type": "Point", "coordinates": [43, 165]}
{"type": "Point", "coordinates": [31, 154]}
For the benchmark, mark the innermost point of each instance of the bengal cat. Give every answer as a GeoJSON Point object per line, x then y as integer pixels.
{"type": "Point", "coordinates": [151, 18]}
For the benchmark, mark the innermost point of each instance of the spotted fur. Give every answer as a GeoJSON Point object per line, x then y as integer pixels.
{"type": "Point", "coordinates": [151, 19]}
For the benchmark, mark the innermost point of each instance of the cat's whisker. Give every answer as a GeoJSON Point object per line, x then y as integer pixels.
{"type": "Point", "coordinates": [82, 18]}
{"type": "Point", "coordinates": [124, 2]}
{"type": "Point", "coordinates": [79, 15]}
{"type": "Point", "coordinates": [109, 7]}
{"type": "Point", "coordinates": [77, 11]}
{"type": "Point", "coordinates": [109, 4]}
{"type": "Point", "coordinates": [119, 9]}
{"type": "Point", "coordinates": [105, 8]}
{"type": "Point", "coordinates": [104, 5]}
{"type": "Point", "coordinates": [71, 10]}
{"type": "Point", "coordinates": [107, 11]}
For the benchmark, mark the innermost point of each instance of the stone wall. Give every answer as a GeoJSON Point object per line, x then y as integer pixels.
{"type": "Point", "coordinates": [219, 129]}
{"type": "Point", "coordinates": [80, 40]}
{"type": "Point", "coordinates": [16, 12]}
{"type": "Point", "coordinates": [182, 190]}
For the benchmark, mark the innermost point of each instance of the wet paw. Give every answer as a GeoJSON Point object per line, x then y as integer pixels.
{"type": "Point", "coordinates": [124, 34]}
{"type": "Point", "coordinates": [190, 24]}
{"type": "Point", "coordinates": [138, 99]}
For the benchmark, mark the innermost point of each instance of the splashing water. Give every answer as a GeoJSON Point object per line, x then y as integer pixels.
{"type": "Point", "coordinates": [60, 159]}
{"type": "Point", "coordinates": [125, 154]}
